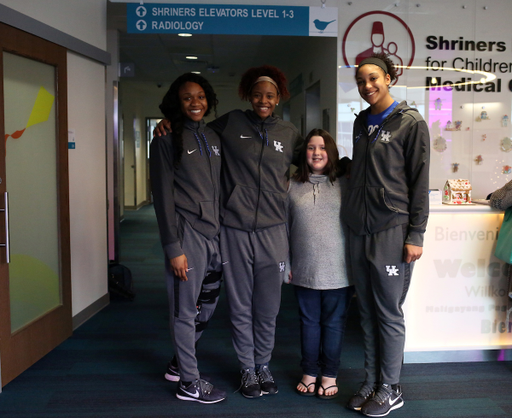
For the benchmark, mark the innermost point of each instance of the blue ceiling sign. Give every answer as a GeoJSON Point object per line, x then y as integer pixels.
{"type": "Point", "coordinates": [228, 19]}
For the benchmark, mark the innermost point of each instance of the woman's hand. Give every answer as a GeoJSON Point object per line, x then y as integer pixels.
{"type": "Point", "coordinates": [412, 253]}
{"type": "Point", "coordinates": [180, 267]}
{"type": "Point", "coordinates": [163, 126]}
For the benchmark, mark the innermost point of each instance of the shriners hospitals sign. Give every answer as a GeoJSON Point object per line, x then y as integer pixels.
{"type": "Point", "coordinates": [382, 32]}
{"type": "Point", "coordinates": [385, 32]}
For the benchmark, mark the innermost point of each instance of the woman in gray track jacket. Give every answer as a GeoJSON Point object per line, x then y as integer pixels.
{"type": "Point", "coordinates": [258, 148]}
{"type": "Point", "coordinates": [185, 172]}
{"type": "Point", "coordinates": [386, 209]}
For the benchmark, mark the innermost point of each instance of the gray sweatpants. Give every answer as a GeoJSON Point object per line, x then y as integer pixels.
{"type": "Point", "coordinates": [254, 273]}
{"type": "Point", "coordinates": [381, 280]}
{"type": "Point", "coordinates": [203, 257]}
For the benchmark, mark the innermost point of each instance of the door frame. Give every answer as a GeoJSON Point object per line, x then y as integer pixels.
{"type": "Point", "coordinates": [20, 350]}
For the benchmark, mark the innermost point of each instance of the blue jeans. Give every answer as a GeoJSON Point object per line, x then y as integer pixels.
{"type": "Point", "coordinates": [323, 316]}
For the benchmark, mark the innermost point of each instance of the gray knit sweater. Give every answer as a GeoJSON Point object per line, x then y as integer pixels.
{"type": "Point", "coordinates": [317, 236]}
{"type": "Point", "coordinates": [502, 198]}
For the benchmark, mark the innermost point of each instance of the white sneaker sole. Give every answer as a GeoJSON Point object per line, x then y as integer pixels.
{"type": "Point", "coordinates": [387, 413]}
{"type": "Point", "coordinates": [186, 398]}
{"type": "Point", "coordinates": [172, 377]}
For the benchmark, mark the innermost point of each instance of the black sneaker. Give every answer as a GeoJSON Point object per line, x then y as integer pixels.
{"type": "Point", "coordinates": [267, 384]}
{"type": "Point", "coordinates": [383, 401]}
{"type": "Point", "coordinates": [173, 372]}
{"type": "Point", "coordinates": [200, 391]}
{"type": "Point", "coordinates": [250, 385]}
{"type": "Point", "coordinates": [360, 397]}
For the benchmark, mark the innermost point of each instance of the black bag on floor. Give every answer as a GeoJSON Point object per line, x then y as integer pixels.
{"type": "Point", "coordinates": [120, 283]}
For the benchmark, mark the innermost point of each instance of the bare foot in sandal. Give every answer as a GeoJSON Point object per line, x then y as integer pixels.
{"type": "Point", "coordinates": [306, 386]}
{"type": "Point", "coordinates": [328, 388]}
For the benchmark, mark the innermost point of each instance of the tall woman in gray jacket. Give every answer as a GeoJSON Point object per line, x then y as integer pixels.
{"type": "Point", "coordinates": [386, 210]}
{"type": "Point", "coordinates": [185, 172]}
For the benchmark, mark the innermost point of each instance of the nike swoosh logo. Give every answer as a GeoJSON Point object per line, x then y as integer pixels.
{"type": "Point", "coordinates": [392, 402]}
{"type": "Point", "coordinates": [194, 395]}
{"type": "Point", "coordinates": [245, 137]}
{"type": "Point", "coordinates": [190, 152]}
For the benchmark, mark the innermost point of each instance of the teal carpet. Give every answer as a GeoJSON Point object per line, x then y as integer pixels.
{"type": "Point", "coordinates": [113, 365]}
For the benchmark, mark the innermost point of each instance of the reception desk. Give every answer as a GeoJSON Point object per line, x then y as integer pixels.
{"type": "Point", "coordinates": [457, 305]}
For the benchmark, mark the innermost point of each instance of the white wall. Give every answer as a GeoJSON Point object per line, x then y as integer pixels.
{"type": "Point", "coordinates": [86, 21]}
{"type": "Point", "coordinates": [83, 19]}
{"type": "Point", "coordinates": [87, 181]}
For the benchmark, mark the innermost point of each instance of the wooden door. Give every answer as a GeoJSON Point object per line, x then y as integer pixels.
{"type": "Point", "coordinates": [35, 275]}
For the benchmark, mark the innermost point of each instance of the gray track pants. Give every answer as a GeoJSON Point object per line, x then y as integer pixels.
{"type": "Point", "coordinates": [203, 257]}
{"type": "Point", "coordinates": [254, 274]}
{"type": "Point", "coordinates": [381, 280]}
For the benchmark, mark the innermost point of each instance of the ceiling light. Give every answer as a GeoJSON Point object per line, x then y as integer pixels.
{"type": "Point", "coordinates": [196, 72]}
{"type": "Point", "coordinates": [191, 57]}
{"type": "Point", "coordinates": [184, 34]}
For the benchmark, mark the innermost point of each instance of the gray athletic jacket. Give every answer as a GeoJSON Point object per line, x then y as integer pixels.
{"type": "Point", "coordinates": [256, 157]}
{"type": "Point", "coordinates": [192, 190]}
{"type": "Point", "coordinates": [388, 183]}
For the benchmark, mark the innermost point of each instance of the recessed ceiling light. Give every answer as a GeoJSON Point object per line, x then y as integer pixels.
{"type": "Point", "coordinates": [184, 34]}
{"type": "Point", "coordinates": [191, 57]}
{"type": "Point", "coordinates": [196, 72]}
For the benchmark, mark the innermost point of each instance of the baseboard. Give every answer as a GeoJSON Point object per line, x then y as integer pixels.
{"type": "Point", "coordinates": [83, 316]}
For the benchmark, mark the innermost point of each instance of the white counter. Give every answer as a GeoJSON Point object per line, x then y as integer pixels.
{"type": "Point", "coordinates": [456, 309]}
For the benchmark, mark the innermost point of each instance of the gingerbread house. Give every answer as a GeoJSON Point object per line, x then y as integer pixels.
{"type": "Point", "coordinates": [457, 192]}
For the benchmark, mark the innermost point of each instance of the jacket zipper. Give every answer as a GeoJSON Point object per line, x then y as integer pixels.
{"type": "Point", "coordinates": [259, 176]}
{"type": "Point", "coordinates": [367, 153]}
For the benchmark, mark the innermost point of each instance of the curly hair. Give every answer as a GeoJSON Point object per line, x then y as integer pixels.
{"type": "Point", "coordinates": [252, 74]}
{"type": "Point", "coordinates": [171, 109]}
{"type": "Point", "coordinates": [331, 168]}
{"type": "Point", "coordinates": [389, 64]}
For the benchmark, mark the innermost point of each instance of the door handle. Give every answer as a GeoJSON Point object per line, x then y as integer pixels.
{"type": "Point", "coordinates": [7, 235]}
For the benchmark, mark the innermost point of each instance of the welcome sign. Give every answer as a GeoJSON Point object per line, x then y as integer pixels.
{"type": "Point", "coordinates": [232, 19]}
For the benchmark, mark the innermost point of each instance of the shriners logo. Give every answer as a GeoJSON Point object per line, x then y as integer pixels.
{"type": "Point", "coordinates": [380, 32]}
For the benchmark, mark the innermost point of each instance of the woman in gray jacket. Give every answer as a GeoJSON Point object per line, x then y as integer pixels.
{"type": "Point", "coordinates": [386, 210]}
{"type": "Point", "coordinates": [185, 172]}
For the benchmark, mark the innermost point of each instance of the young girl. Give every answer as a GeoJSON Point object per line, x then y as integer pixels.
{"type": "Point", "coordinates": [386, 210]}
{"type": "Point", "coordinates": [185, 175]}
{"type": "Point", "coordinates": [319, 263]}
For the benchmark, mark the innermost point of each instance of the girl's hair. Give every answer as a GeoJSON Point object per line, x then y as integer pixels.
{"type": "Point", "coordinates": [331, 168]}
{"type": "Point", "coordinates": [252, 74]}
{"type": "Point", "coordinates": [171, 109]}
{"type": "Point", "coordinates": [389, 64]}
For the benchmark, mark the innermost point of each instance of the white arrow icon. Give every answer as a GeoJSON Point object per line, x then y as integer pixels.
{"type": "Point", "coordinates": [141, 25]}
{"type": "Point", "coordinates": [141, 11]}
